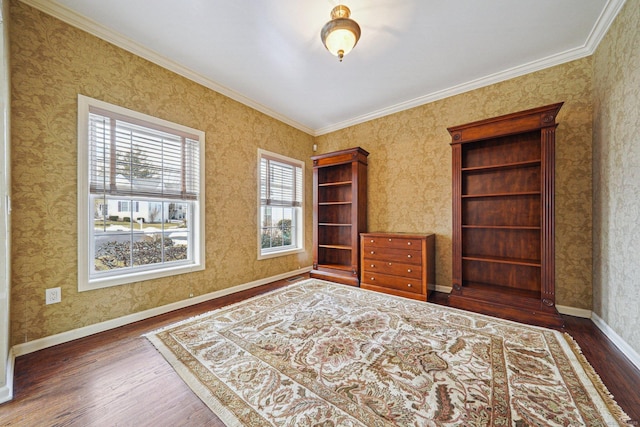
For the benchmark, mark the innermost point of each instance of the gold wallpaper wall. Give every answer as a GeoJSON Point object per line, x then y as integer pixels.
{"type": "Point", "coordinates": [51, 62]}
{"type": "Point", "coordinates": [409, 170]}
{"type": "Point", "coordinates": [616, 166]}
{"type": "Point", "coordinates": [410, 166]}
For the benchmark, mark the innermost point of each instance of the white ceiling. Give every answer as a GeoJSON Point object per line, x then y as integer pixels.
{"type": "Point", "coordinates": [268, 53]}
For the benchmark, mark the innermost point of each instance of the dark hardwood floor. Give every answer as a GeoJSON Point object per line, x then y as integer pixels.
{"type": "Point", "coordinates": [117, 378]}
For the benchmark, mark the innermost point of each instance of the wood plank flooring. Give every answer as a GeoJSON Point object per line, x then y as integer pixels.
{"type": "Point", "coordinates": [117, 378]}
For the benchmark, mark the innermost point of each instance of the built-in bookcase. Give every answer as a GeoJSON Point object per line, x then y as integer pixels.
{"type": "Point", "coordinates": [340, 214]}
{"type": "Point", "coordinates": [503, 221]}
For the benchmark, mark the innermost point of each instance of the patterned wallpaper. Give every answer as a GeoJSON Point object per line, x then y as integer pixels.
{"type": "Point", "coordinates": [409, 170]}
{"type": "Point", "coordinates": [616, 169]}
{"type": "Point", "coordinates": [51, 62]}
{"type": "Point", "coordinates": [410, 166]}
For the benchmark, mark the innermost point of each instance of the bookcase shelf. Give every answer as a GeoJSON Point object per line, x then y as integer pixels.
{"type": "Point", "coordinates": [340, 247]}
{"type": "Point", "coordinates": [502, 166]}
{"type": "Point", "coordinates": [502, 260]}
{"type": "Point", "coordinates": [514, 193]}
{"type": "Point", "coordinates": [502, 227]}
{"type": "Point", "coordinates": [335, 267]}
{"type": "Point", "coordinates": [334, 184]}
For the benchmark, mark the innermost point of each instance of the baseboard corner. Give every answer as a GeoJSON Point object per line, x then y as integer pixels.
{"type": "Point", "coordinates": [443, 289]}
{"type": "Point", "coordinates": [617, 340]}
{"type": "Point", "coordinates": [574, 311]}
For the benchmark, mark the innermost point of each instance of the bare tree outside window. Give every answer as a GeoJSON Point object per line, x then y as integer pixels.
{"type": "Point", "coordinates": [135, 165]}
{"type": "Point", "coordinates": [155, 212]}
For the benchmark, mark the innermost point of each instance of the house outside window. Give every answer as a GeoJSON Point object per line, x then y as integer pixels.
{"type": "Point", "coordinates": [140, 196]}
{"type": "Point", "coordinates": [280, 205]}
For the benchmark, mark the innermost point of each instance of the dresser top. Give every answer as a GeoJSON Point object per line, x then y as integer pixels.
{"type": "Point", "coordinates": [402, 234]}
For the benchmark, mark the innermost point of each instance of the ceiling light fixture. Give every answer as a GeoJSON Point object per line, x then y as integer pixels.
{"type": "Point", "coordinates": [341, 34]}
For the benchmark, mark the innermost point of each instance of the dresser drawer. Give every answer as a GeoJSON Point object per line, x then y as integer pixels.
{"type": "Point", "coordinates": [392, 242]}
{"type": "Point", "coordinates": [393, 282]}
{"type": "Point", "coordinates": [392, 268]}
{"type": "Point", "coordinates": [393, 255]}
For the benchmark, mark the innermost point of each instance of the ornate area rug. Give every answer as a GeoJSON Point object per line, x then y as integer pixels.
{"type": "Point", "coordinates": [323, 354]}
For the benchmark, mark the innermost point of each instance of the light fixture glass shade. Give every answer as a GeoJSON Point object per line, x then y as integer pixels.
{"type": "Point", "coordinates": [341, 34]}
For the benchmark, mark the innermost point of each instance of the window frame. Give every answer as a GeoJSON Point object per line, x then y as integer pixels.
{"type": "Point", "coordinates": [85, 211]}
{"type": "Point", "coordinates": [299, 212]}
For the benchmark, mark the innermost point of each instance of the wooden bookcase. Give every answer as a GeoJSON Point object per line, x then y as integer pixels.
{"type": "Point", "coordinates": [503, 216]}
{"type": "Point", "coordinates": [339, 214]}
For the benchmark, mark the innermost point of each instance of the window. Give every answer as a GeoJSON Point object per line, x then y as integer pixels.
{"type": "Point", "coordinates": [281, 200]}
{"type": "Point", "coordinates": [123, 206]}
{"type": "Point", "coordinates": [140, 196]}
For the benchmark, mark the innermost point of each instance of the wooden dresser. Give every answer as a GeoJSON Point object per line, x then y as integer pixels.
{"type": "Point", "coordinates": [400, 264]}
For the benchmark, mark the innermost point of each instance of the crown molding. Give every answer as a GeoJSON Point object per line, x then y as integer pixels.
{"type": "Point", "coordinates": [598, 32]}
{"type": "Point", "coordinates": [606, 18]}
{"type": "Point", "coordinates": [79, 21]}
{"type": "Point", "coordinates": [604, 22]}
{"type": "Point", "coordinates": [501, 76]}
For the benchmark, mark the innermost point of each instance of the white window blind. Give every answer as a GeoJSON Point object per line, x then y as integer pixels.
{"type": "Point", "coordinates": [138, 159]}
{"type": "Point", "coordinates": [280, 183]}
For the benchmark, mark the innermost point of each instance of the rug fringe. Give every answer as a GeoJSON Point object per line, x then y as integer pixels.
{"type": "Point", "coordinates": [609, 400]}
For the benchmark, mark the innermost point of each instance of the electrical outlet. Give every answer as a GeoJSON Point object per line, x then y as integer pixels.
{"type": "Point", "coordinates": [53, 295]}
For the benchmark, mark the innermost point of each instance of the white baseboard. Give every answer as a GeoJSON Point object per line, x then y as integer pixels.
{"type": "Point", "coordinates": [573, 311]}
{"type": "Point", "coordinates": [617, 340]}
{"type": "Point", "coordinates": [42, 343]}
{"type": "Point", "coordinates": [444, 289]}
{"type": "Point", "coordinates": [6, 391]}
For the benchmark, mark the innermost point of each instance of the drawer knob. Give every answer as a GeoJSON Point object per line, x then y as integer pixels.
{"type": "Point", "coordinates": [389, 239]}
{"type": "Point", "coordinates": [373, 265]}
{"type": "Point", "coordinates": [408, 256]}
{"type": "Point", "coordinates": [409, 285]}
{"type": "Point", "coordinates": [373, 278]}
{"type": "Point", "coordinates": [389, 263]}
{"type": "Point", "coordinates": [408, 270]}
{"type": "Point", "coordinates": [409, 243]}
{"type": "Point", "coordinates": [372, 240]}
{"type": "Point", "coordinates": [373, 252]}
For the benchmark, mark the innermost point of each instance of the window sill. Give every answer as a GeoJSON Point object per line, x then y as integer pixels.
{"type": "Point", "coordinates": [125, 279]}
{"type": "Point", "coordinates": [280, 253]}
